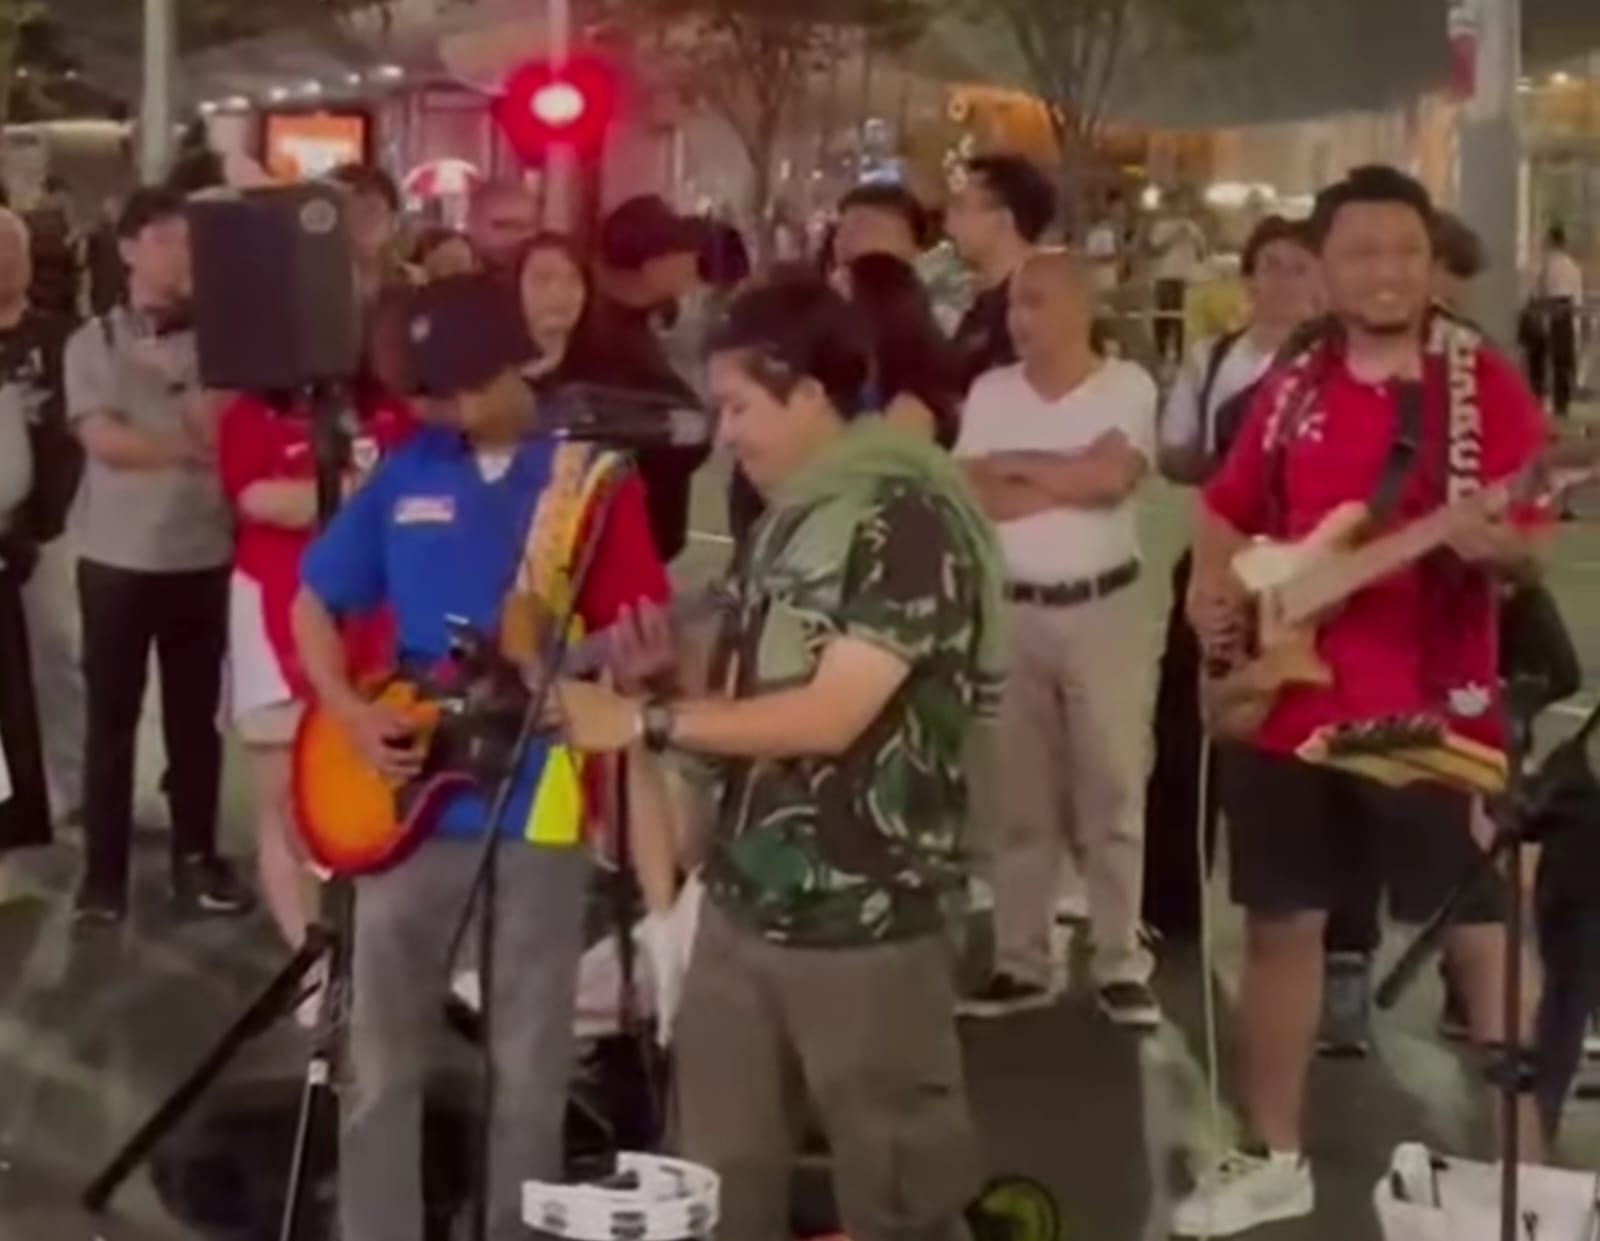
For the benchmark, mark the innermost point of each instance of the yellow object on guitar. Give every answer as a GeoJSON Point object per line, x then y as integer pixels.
{"type": "Point", "coordinates": [1409, 749]}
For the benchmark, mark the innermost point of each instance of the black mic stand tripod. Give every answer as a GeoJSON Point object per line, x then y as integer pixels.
{"type": "Point", "coordinates": [327, 945]}
{"type": "Point", "coordinates": [1517, 814]}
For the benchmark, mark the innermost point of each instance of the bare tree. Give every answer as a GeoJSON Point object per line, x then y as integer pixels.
{"type": "Point", "coordinates": [752, 61]}
{"type": "Point", "coordinates": [1074, 50]}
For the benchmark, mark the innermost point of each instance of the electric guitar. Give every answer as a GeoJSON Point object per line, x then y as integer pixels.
{"type": "Point", "coordinates": [1409, 749]}
{"type": "Point", "coordinates": [1293, 585]}
{"type": "Point", "coordinates": [355, 820]}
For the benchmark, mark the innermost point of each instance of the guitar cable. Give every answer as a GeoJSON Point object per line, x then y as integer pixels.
{"type": "Point", "coordinates": [1210, 1019]}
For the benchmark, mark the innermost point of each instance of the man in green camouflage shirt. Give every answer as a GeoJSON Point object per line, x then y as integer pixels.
{"type": "Point", "coordinates": [860, 847]}
{"type": "Point", "coordinates": [867, 644]}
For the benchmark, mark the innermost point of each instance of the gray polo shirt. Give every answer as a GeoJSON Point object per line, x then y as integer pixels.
{"type": "Point", "coordinates": [164, 521]}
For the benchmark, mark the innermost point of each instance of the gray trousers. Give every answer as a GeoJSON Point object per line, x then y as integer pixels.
{"type": "Point", "coordinates": [55, 634]}
{"type": "Point", "coordinates": [863, 1037]}
{"type": "Point", "coordinates": [403, 923]}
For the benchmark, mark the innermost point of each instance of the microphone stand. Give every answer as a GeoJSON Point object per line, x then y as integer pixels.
{"type": "Point", "coordinates": [1516, 813]}
{"type": "Point", "coordinates": [328, 943]}
{"type": "Point", "coordinates": [482, 896]}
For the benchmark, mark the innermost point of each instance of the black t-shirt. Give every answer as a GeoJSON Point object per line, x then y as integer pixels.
{"type": "Point", "coordinates": [621, 350]}
{"type": "Point", "coordinates": [983, 338]}
{"type": "Point", "coordinates": [30, 357]}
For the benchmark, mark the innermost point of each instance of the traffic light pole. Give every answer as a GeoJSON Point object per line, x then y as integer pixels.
{"type": "Point", "coordinates": [155, 101]}
{"type": "Point", "coordinates": [561, 161]}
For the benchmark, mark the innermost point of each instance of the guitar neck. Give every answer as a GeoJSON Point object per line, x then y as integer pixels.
{"type": "Point", "coordinates": [591, 654]}
{"type": "Point", "coordinates": [1336, 580]}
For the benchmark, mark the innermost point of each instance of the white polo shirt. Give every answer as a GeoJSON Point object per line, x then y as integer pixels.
{"type": "Point", "coordinates": [1005, 414]}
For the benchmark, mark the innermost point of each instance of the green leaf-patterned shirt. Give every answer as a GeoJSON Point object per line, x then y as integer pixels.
{"type": "Point", "coordinates": [865, 847]}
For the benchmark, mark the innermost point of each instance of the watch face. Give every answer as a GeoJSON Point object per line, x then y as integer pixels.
{"type": "Point", "coordinates": [658, 721]}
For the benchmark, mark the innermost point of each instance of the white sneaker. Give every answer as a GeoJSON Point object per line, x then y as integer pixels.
{"type": "Point", "coordinates": [1246, 1191]}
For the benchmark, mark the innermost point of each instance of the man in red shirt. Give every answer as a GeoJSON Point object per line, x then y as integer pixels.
{"type": "Point", "coordinates": [268, 468]}
{"type": "Point", "coordinates": [1324, 433]}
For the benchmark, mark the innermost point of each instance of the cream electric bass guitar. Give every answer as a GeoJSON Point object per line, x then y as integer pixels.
{"type": "Point", "coordinates": [1293, 586]}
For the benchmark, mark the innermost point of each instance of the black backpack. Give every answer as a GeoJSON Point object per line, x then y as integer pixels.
{"type": "Point", "coordinates": [1230, 415]}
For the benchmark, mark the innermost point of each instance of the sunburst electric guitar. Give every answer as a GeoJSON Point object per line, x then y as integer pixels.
{"type": "Point", "coordinates": [1292, 586]}
{"type": "Point", "coordinates": [354, 820]}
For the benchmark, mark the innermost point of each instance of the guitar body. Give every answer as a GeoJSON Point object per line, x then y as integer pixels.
{"type": "Point", "coordinates": [352, 819]}
{"type": "Point", "coordinates": [1234, 704]}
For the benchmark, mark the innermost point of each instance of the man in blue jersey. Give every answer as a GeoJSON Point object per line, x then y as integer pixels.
{"type": "Point", "coordinates": [472, 519]}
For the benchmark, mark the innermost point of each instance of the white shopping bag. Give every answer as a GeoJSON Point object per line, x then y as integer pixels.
{"type": "Point", "coordinates": [1426, 1197]}
{"type": "Point", "coordinates": [665, 943]}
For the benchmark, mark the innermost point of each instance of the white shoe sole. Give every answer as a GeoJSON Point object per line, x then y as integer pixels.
{"type": "Point", "coordinates": [1301, 1205]}
{"type": "Point", "coordinates": [980, 1010]}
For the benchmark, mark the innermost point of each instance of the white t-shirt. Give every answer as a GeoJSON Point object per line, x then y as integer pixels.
{"type": "Point", "coordinates": [1184, 424]}
{"type": "Point", "coordinates": [1101, 247]}
{"type": "Point", "coordinates": [1180, 249]}
{"type": "Point", "coordinates": [1005, 414]}
{"type": "Point", "coordinates": [1560, 276]}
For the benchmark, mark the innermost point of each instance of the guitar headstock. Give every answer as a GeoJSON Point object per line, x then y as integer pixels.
{"type": "Point", "coordinates": [1562, 466]}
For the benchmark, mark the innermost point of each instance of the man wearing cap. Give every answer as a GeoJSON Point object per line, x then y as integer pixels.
{"type": "Point", "coordinates": [478, 518]}
{"type": "Point", "coordinates": [649, 261]}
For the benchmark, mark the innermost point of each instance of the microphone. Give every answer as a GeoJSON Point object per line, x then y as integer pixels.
{"type": "Point", "coordinates": [591, 414]}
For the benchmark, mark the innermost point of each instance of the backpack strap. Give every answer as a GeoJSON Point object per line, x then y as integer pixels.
{"type": "Point", "coordinates": [1220, 349]}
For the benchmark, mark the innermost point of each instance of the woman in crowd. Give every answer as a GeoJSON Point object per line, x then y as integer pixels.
{"type": "Point", "coordinates": [555, 293]}
{"type": "Point", "coordinates": [24, 803]}
{"type": "Point", "coordinates": [268, 471]}
{"type": "Point", "coordinates": [914, 383]}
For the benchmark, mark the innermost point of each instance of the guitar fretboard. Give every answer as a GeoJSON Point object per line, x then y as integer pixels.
{"type": "Point", "coordinates": [1337, 579]}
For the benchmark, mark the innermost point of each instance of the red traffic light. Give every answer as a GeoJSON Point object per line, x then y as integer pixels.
{"type": "Point", "coordinates": [544, 105]}
{"type": "Point", "coordinates": [558, 104]}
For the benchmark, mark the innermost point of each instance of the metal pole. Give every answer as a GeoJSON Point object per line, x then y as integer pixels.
{"type": "Point", "coordinates": [156, 115]}
{"type": "Point", "coordinates": [1491, 159]}
{"type": "Point", "coordinates": [561, 162]}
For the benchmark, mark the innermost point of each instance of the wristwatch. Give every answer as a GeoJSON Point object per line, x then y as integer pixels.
{"type": "Point", "coordinates": [658, 721]}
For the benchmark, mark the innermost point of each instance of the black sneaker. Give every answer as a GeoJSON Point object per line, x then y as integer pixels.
{"type": "Point", "coordinates": [1346, 1030]}
{"type": "Point", "coordinates": [1131, 1005]}
{"type": "Point", "coordinates": [95, 906]}
{"type": "Point", "coordinates": [207, 887]}
{"type": "Point", "coordinates": [1004, 995]}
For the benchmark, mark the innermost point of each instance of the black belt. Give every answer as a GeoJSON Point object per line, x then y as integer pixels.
{"type": "Point", "coordinates": [1070, 594]}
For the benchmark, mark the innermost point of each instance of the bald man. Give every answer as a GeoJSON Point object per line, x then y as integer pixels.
{"type": "Point", "coordinates": [1056, 446]}
{"type": "Point", "coordinates": [502, 219]}
{"type": "Point", "coordinates": [31, 347]}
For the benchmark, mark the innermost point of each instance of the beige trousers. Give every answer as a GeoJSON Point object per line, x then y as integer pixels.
{"type": "Point", "coordinates": [1074, 736]}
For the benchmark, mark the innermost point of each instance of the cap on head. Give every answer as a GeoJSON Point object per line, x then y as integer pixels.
{"type": "Point", "coordinates": [462, 333]}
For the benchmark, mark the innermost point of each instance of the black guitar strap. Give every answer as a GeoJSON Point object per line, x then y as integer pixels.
{"type": "Point", "coordinates": [1390, 487]}
{"type": "Point", "coordinates": [1403, 452]}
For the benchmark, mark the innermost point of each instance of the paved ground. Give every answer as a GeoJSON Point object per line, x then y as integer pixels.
{"type": "Point", "coordinates": [93, 1030]}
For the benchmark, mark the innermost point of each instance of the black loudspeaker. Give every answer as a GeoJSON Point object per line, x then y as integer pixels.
{"type": "Point", "coordinates": [275, 302]}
